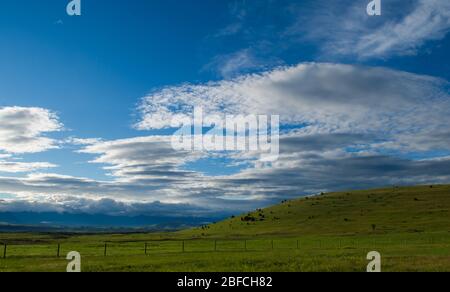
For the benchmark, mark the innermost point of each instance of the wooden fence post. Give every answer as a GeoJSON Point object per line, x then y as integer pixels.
{"type": "Point", "coordinates": [106, 246]}
{"type": "Point", "coordinates": [145, 249]}
{"type": "Point", "coordinates": [215, 245]}
{"type": "Point", "coordinates": [59, 248]}
{"type": "Point", "coordinates": [4, 250]}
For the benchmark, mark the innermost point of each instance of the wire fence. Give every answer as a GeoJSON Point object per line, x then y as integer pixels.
{"type": "Point", "coordinates": [123, 248]}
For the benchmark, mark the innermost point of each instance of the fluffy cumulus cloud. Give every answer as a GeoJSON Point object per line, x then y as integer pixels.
{"type": "Point", "coordinates": [344, 28]}
{"type": "Point", "coordinates": [22, 130]}
{"type": "Point", "coordinates": [328, 98]}
{"type": "Point", "coordinates": [346, 127]}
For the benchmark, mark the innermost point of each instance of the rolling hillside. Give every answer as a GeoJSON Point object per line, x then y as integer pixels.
{"type": "Point", "coordinates": [384, 211]}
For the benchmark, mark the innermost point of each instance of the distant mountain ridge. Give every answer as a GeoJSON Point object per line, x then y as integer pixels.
{"type": "Point", "coordinates": [30, 221]}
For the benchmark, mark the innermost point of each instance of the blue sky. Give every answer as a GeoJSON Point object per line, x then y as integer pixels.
{"type": "Point", "coordinates": [370, 94]}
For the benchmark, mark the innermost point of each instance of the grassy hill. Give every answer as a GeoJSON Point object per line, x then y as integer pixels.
{"type": "Point", "coordinates": [409, 226]}
{"type": "Point", "coordinates": [383, 211]}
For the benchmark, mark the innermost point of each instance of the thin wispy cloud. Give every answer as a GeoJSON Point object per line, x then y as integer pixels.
{"type": "Point", "coordinates": [344, 29]}
{"type": "Point", "coordinates": [231, 65]}
{"type": "Point", "coordinates": [24, 167]}
{"type": "Point", "coordinates": [429, 21]}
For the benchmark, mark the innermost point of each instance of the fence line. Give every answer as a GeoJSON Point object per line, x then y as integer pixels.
{"type": "Point", "coordinates": [203, 246]}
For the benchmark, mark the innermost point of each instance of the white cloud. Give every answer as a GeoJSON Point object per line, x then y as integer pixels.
{"type": "Point", "coordinates": [140, 156]}
{"type": "Point", "coordinates": [430, 20]}
{"type": "Point", "coordinates": [146, 170]}
{"type": "Point", "coordinates": [82, 141]}
{"type": "Point", "coordinates": [22, 129]}
{"type": "Point", "coordinates": [329, 98]}
{"type": "Point", "coordinates": [102, 206]}
{"type": "Point", "coordinates": [243, 61]}
{"type": "Point", "coordinates": [233, 64]}
{"type": "Point", "coordinates": [343, 28]}
{"type": "Point", "coordinates": [18, 167]}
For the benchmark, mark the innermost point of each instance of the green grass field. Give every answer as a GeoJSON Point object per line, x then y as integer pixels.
{"type": "Point", "coordinates": [410, 227]}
